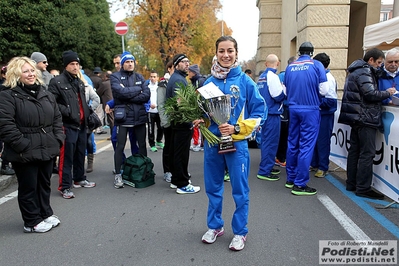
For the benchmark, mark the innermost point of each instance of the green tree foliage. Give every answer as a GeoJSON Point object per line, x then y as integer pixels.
{"type": "Point", "coordinates": [52, 27]}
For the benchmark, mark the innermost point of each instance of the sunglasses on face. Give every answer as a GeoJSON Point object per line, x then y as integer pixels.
{"type": "Point", "coordinates": [44, 62]}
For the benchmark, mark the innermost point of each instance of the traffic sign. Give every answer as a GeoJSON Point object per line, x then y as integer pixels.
{"type": "Point", "coordinates": [121, 28]}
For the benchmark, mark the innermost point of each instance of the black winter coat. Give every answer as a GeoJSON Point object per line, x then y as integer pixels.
{"type": "Point", "coordinates": [177, 79]}
{"type": "Point", "coordinates": [129, 89]}
{"type": "Point", "coordinates": [66, 90]}
{"type": "Point", "coordinates": [362, 101]}
{"type": "Point", "coordinates": [31, 128]}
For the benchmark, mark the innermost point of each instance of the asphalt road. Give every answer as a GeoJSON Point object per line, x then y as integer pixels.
{"type": "Point", "coordinates": [156, 226]}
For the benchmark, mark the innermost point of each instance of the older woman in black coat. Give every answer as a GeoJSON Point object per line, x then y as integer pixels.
{"type": "Point", "coordinates": [31, 128]}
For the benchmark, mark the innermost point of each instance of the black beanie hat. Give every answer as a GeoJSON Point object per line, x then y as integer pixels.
{"type": "Point", "coordinates": [69, 56]}
{"type": "Point", "coordinates": [177, 58]}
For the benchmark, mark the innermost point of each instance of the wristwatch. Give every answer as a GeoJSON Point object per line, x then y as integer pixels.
{"type": "Point", "coordinates": [237, 129]}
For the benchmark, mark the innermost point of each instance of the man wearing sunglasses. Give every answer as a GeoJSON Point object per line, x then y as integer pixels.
{"type": "Point", "coordinates": [390, 75]}
{"type": "Point", "coordinates": [41, 64]}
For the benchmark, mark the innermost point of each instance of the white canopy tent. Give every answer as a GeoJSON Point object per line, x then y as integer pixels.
{"type": "Point", "coordinates": [383, 35]}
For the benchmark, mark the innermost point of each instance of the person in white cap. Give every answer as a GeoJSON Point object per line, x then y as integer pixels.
{"type": "Point", "coordinates": [41, 64]}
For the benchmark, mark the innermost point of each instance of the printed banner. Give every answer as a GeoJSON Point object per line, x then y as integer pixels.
{"type": "Point", "coordinates": [386, 160]}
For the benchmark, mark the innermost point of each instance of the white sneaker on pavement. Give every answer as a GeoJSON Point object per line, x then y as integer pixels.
{"type": "Point", "coordinates": [210, 236]}
{"type": "Point", "coordinates": [41, 227]}
{"type": "Point", "coordinates": [238, 243]}
{"type": "Point", "coordinates": [53, 220]}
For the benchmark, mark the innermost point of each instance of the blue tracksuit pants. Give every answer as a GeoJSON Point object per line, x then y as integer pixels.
{"type": "Point", "coordinates": [238, 164]}
{"type": "Point", "coordinates": [270, 137]}
{"type": "Point", "coordinates": [321, 153]}
{"type": "Point", "coordinates": [302, 135]}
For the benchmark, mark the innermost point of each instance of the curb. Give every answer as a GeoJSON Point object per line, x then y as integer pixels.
{"type": "Point", "coordinates": [6, 180]}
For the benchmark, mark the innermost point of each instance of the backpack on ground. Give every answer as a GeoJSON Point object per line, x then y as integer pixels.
{"type": "Point", "coordinates": [138, 171]}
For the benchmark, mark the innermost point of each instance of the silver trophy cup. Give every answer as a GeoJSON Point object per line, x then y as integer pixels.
{"type": "Point", "coordinates": [219, 109]}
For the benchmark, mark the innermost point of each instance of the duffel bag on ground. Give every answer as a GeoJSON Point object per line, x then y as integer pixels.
{"type": "Point", "coordinates": [138, 171]}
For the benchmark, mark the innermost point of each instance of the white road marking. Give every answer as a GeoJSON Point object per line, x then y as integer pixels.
{"type": "Point", "coordinates": [8, 197]}
{"type": "Point", "coordinates": [353, 230]}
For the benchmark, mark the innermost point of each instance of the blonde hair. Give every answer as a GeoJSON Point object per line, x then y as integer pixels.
{"type": "Point", "coordinates": [80, 75]}
{"type": "Point", "coordinates": [14, 71]}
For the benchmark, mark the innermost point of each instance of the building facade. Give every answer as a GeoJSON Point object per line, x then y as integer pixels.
{"type": "Point", "coordinates": [332, 26]}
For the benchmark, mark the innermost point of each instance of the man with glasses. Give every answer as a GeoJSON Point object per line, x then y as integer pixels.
{"type": "Point", "coordinates": [181, 133]}
{"type": "Point", "coordinates": [390, 75]}
{"type": "Point", "coordinates": [41, 64]}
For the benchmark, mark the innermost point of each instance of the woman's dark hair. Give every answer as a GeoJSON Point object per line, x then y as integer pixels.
{"type": "Point", "coordinates": [226, 38]}
{"type": "Point", "coordinates": [373, 53]}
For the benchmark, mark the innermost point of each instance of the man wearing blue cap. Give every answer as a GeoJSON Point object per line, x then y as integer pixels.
{"type": "Point", "coordinates": [130, 94]}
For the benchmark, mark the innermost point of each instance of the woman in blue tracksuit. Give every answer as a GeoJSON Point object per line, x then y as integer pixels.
{"type": "Point", "coordinates": [245, 118]}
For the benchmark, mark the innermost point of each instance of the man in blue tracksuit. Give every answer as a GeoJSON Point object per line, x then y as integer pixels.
{"type": "Point", "coordinates": [390, 75]}
{"type": "Point", "coordinates": [273, 92]}
{"type": "Point", "coordinates": [328, 106]}
{"type": "Point", "coordinates": [306, 81]}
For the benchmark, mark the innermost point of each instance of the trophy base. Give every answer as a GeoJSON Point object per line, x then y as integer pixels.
{"type": "Point", "coordinates": [226, 146]}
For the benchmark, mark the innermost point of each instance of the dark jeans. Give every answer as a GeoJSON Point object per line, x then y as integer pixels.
{"type": "Point", "coordinates": [282, 144]}
{"type": "Point", "coordinates": [179, 156]}
{"type": "Point", "coordinates": [90, 149]}
{"type": "Point", "coordinates": [139, 132]}
{"type": "Point", "coordinates": [166, 149]}
{"type": "Point", "coordinates": [359, 167]}
{"type": "Point", "coordinates": [152, 121]}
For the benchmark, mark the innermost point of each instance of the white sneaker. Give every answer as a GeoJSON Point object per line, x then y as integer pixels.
{"type": "Point", "coordinates": [53, 220]}
{"type": "Point", "coordinates": [41, 227]}
{"type": "Point", "coordinates": [210, 236]}
{"type": "Point", "coordinates": [118, 183]}
{"type": "Point", "coordinates": [167, 177]}
{"type": "Point", "coordinates": [189, 189]}
{"type": "Point", "coordinates": [197, 148]}
{"type": "Point", "coordinates": [174, 186]}
{"type": "Point", "coordinates": [238, 243]}
{"type": "Point", "coordinates": [84, 183]}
